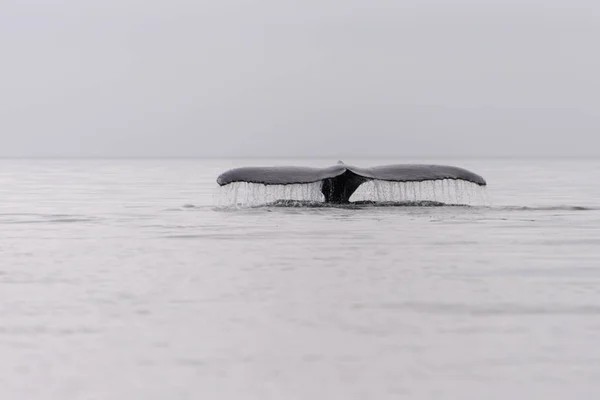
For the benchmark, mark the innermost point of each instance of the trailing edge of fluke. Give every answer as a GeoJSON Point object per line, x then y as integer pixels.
{"type": "Point", "coordinates": [341, 180]}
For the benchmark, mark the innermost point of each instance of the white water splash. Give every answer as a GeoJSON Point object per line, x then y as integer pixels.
{"type": "Point", "coordinates": [244, 194]}
{"type": "Point", "coordinates": [447, 191]}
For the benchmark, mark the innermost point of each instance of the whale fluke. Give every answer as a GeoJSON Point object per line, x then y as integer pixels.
{"type": "Point", "coordinates": [279, 175]}
{"type": "Point", "coordinates": [341, 180]}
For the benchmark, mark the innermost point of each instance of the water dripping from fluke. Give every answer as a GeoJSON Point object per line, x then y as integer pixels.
{"type": "Point", "coordinates": [373, 193]}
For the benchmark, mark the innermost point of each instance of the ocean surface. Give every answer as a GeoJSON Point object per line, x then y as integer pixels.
{"type": "Point", "coordinates": [121, 279]}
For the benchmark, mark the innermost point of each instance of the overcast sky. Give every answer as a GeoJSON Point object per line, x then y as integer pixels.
{"type": "Point", "coordinates": [335, 78]}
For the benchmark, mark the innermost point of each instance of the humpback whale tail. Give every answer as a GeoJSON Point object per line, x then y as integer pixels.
{"type": "Point", "coordinates": [340, 181]}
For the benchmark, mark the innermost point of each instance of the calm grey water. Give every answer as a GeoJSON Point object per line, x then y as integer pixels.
{"type": "Point", "coordinates": [120, 280]}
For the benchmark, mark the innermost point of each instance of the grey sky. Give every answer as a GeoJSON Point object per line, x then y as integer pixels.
{"type": "Point", "coordinates": [299, 78]}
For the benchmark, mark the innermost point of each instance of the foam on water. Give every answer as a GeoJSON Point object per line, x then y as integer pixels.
{"type": "Point", "coordinates": [447, 191]}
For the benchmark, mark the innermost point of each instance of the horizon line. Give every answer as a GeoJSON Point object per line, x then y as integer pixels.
{"type": "Point", "coordinates": [337, 157]}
